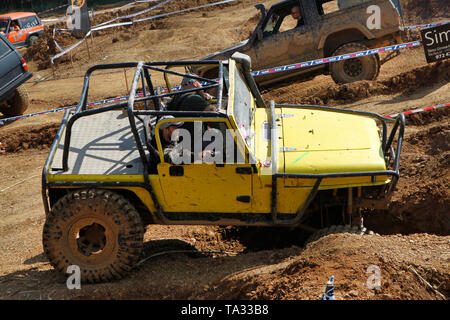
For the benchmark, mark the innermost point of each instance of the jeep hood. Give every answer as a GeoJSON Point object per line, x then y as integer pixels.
{"type": "Point", "coordinates": [315, 142]}
{"type": "Point", "coordinates": [227, 52]}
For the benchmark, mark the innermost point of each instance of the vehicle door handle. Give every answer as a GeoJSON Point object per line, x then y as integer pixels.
{"type": "Point", "coordinates": [243, 198]}
{"type": "Point", "coordinates": [244, 170]}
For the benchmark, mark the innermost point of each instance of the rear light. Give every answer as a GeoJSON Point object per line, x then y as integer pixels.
{"type": "Point", "coordinates": [24, 64]}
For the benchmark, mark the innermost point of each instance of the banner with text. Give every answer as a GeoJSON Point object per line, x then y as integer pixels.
{"type": "Point", "coordinates": [436, 42]}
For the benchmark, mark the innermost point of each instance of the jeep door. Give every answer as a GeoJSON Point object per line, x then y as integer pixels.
{"type": "Point", "coordinates": [18, 38]}
{"type": "Point", "coordinates": [283, 43]}
{"type": "Point", "coordinates": [205, 187]}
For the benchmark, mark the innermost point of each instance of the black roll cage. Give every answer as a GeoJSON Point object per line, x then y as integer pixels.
{"type": "Point", "coordinates": [143, 76]}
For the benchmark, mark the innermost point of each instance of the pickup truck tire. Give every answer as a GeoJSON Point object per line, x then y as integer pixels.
{"type": "Point", "coordinates": [97, 230]}
{"type": "Point", "coordinates": [17, 104]}
{"type": "Point", "coordinates": [363, 68]}
{"type": "Point", "coordinates": [338, 229]}
{"type": "Point", "coordinates": [32, 40]}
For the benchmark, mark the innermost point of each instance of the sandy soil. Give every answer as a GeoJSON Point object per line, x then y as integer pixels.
{"type": "Point", "coordinates": [231, 263]}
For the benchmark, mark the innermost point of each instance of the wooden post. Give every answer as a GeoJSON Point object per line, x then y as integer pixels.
{"type": "Point", "coordinates": [92, 34]}
{"type": "Point", "coordinates": [93, 21]}
{"type": "Point", "coordinates": [92, 39]}
{"type": "Point", "coordinates": [53, 70]}
{"type": "Point", "coordinates": [71, 60]}
{"type": "Point", "coordinates": [87, 47]}
{"type": "Point", "coordinates": [126, 80]}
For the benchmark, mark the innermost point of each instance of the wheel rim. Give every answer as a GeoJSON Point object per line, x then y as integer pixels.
{"type": "Point", "coordinates": [91, 241]}
{"type": "Point", "coordinates": [353, 67]}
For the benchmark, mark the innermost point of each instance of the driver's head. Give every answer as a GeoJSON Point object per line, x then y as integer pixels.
{"type": "Point", "coordinates": [168, 129]}
{"type": "Point", "coordinates": [189, 83]}
{"type": "Point", "coordinates": [296, 13]}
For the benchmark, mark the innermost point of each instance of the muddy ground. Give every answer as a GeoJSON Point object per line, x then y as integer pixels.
{"type": "Point", "coordinates": [411, 249]}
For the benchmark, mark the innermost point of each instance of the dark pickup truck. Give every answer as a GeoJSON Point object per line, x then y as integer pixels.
{"type": "Point", "coordinates": [14, 72]}
{"type": "Point", "coordinates": [327, 28]}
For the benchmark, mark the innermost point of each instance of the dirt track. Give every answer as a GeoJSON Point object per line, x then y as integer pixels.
{"type": "Point", "coordinates": [414, 233]}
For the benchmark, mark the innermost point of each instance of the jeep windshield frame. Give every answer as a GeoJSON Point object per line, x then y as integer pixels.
{"type": "Point", "coordinates": [241, 109]}
{"type": "Point", "coordinates": [29, 22]}
{"type": "Point", "coordinates": [4, 25]}
{"type": "Point", "coordinates": [278, 11]}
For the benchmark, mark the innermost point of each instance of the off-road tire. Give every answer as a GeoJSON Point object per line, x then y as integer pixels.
{"type": "Point", "coordinates": [338, 229]}
{"type": "Point", "coordinates": [17, 104]}
{"type": "Point", "coordinates": [351, 70]}
{"type": "Point", "coordinates": [32, 40]}
{"type": "Point", "coordinates": [74, 227]}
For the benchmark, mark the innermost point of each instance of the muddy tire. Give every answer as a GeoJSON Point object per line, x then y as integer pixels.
{"type": "Point", "coordinates": [32, 40]}
{"type": "Point", "coordinates": [351, 70]}
{"type": "Point", "coordinates": [17, 104]}
{"type": "Point", "coordinates": [97, 230]}
{"type": "Point", "coordinates": [338, 229]}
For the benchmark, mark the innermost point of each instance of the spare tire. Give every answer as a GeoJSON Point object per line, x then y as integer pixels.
{"type": "Point", "coordinates": [17, 104]}
{"type": "Point", "coordinates": [338, 229]}
{"type": "Point", "coordinates": [356, 69]}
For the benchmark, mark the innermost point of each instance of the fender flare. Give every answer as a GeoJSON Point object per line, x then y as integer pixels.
{"type": "Point", "coordinates": [369, 35]}
{"type": "Point", "coordinates": [37, 33]}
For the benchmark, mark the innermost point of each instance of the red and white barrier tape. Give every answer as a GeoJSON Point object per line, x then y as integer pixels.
{"type": "Point", "coordinates": [4, 121]}
{"type": "Point", "coordinates": [428, 25]}
{"type": "Point", "coordinates": [420, 110]}
{"type": "Point", "coordinates": [134, 14]}
{"type": "Point", "coordinates": [337, 58]}
{"type": "Point", "coordinates": [135, 3]}
{"type": "Point", "coordinates": [53, 9]}
{"type": "Point", "coordinates": [97, 13]}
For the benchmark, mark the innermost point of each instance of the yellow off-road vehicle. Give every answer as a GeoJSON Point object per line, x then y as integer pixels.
{"type": "Point", "coordinates": [301, 166]}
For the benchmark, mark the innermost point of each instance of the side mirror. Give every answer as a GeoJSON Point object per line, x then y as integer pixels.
{"type": "Point", "coordinates": [261, 7]}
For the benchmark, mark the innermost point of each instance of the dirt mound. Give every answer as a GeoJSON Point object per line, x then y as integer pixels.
{"type": "Point", "coordinates": [31, 138]}
{"type": "Point", "coordinates": [290, 273]}
{"type": "Point", "coordinates": [44, 49]}
{"type": "Point", "coordinates": [424, 118]}
{"type": "Point", "coordinates": [352, 259]}
{"type": "Point", "coordinates": [422, 11]}
{"type": "Point", "coordinates": [405, 83]}
{"type": "Point", "coordinates": [248, 27]}
{"type": "Point", "coordinates": [422, 198]}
